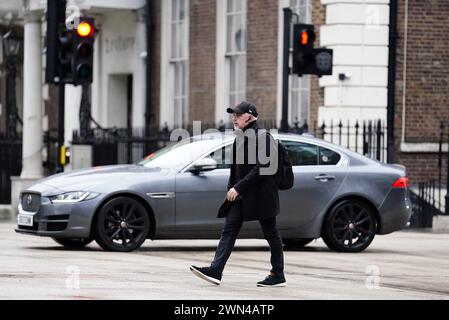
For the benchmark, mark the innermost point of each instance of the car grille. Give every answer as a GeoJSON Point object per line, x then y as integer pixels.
{"type": "Point", "coordinates": [56, 226]}
{"type": "Point", "coordinates": [31, 201]}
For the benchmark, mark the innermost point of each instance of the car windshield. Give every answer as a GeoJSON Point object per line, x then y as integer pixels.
{"type": "Point", "coordinates": [179, 154]}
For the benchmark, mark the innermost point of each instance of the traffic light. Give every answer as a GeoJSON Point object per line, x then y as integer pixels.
{"type": "Point", "coordinates": [65, 54]}
{"type": "Point", "coordinates": [83, 51]}
{"type": "Point", "coordinates": [55, 23]}
{"type": "Point", "coordinates": [303, 36]}
{"type": "Point", "coordinates": [307, 59]}
{"type": "Point", "coordinates": [69, 51]}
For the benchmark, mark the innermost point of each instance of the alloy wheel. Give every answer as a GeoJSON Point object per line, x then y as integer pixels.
{"type": "Point", "coordinates": [122, 225]}
{"type": "Point", "coordinates": [350, 227]}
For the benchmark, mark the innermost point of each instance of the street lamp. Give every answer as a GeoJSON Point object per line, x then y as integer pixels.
{"type": "Point", "coordinates": [11, 44]}
{"type": "Point", "coordinates": [11, 48]}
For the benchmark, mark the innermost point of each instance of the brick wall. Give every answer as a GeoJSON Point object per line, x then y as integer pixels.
{"type": "Point", "coordinates": [427, 82]}
{"type": "Point", "coordinates": [202, 44]}
{"type": "Point", "coordinates": [262, 56]}
{"type": "Point", "coordinates": [262, 59]}
{"type": "Point", "coordinates": [316, 92]}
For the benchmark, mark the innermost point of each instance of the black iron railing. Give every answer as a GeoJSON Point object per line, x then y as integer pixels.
{"type": "Point", "coordinates": [426, 203]}
{"type": "Point", "coordinates": [10, 163]}
{"type": "Point", "coordinates": [367, 137]}
{"type": "Point", "coordinates": [429, 197]}
{"type": "Point", "coordinates": [121, 145]}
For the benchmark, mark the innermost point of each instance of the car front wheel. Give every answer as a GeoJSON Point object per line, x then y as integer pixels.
{"type": "Point", "coordinates": [122, 225]}
{"type": "Point", "coordinates": [349, 227]}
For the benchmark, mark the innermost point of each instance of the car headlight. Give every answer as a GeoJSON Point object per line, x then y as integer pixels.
{"type": "Point", "coordinates": [72, 197]}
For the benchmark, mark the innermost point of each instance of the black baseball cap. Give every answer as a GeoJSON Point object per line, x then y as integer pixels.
{"type": "Point", "coordinates": [243, 107]}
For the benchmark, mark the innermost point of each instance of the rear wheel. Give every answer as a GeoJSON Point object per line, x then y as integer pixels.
{"type": "Point", "coordinates": [122, 225]}
{"type": "Point", "coordinates": [73, 243]}
{"type": "Point", "coordinates": [296, 243]}
{"type": "Point", "coordinates": [349, 227]}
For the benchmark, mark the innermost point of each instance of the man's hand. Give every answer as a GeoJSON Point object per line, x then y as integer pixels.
{"type": "Point", "coordinates": [232, 194]}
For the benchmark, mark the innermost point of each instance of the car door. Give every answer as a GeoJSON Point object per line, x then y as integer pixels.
{"type": "Point", "coordinates": [318, 174]}
{"type": "Point", "coordinates": [199, 196]}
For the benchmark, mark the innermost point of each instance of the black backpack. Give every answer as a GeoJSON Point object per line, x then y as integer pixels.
{"type": "Point", "coordinates": [284, 176]}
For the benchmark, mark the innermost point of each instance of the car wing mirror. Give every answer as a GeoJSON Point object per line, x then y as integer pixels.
{"type": "Point", "coordinates": [204, 164]}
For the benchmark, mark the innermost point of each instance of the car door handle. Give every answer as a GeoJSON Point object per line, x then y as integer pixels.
{"type": "Point", "coordinates": [161, 195]}
{"type": "Point", "coordinates": [324, 178]}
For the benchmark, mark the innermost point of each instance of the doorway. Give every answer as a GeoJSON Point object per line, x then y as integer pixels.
{"type": "Point", "coordinates": [120, 101]}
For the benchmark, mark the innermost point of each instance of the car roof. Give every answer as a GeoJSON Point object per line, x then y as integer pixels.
{"type": "Point", "coordinates": [228, 135]}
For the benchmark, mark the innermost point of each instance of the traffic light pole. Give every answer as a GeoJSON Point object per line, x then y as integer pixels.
{"type": "Point", "coordinates": [56, 16]}
{"type": "Point", "coordinates": [286, 68]}
{"type": "Point", "coordinates": [392, 39]}
{"type": "Point", "coordinates": [61, 116]}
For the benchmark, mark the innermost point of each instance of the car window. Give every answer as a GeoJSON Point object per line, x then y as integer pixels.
{"type": "Point", "coordinates": [328, 157]}
{"type": "Point", "coordinates": [222, 156]}
{"type": "Point", "coordinates": [179, 154]}
{"type": "Point", "coordinates": [302, 154]}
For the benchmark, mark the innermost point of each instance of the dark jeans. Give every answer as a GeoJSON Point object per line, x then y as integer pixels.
{"type": "Point", "coordinates": [229, 235]}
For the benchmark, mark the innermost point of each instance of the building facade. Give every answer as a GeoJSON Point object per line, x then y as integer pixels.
{"type": "Point", "coordinates": [234, 51]}
{"type": "Point", "coordinates": [422, 82]}
{"type": "Point", "coordinates": [209, 54]}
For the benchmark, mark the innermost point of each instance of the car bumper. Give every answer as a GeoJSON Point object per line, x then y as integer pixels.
{"type": "Point", "coordinates": [61, 220]}
{"type": "Point", "coordinates": [395, 211]}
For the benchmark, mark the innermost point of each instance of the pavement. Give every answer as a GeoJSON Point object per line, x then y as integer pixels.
{"type": "Point", "coordinates": [402, 265]}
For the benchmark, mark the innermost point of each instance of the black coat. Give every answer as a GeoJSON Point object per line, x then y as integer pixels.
{"type": "Point", "coordinates": [258, 193]}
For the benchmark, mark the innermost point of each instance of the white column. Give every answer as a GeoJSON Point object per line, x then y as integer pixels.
{"type": "Point", "coordinates": [72, 108]}
{"type": "Point", "coordinates": [32, 134]}
{"type": "Point", "coordinates": [98, 83]}
{"type": "Point", "coordinates": [139, 74]}
{"type": "Point", "coordinates": [32, 100]}
{"type": "Point", "coordinates": [72, 104]}
{"type": "Point", "coordinates": [165, 107]}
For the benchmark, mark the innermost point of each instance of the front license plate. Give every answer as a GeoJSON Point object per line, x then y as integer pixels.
{"type": "Point", "coordinates": [25, 220]}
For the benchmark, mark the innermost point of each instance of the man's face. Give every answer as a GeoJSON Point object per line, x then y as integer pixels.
{"type": "Point", "coordinates": [240, 120]}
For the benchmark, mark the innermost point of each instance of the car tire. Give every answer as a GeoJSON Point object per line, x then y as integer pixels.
{"type": "Point", "coordinates": [73, 243]}
{"type": "Point", "coordinates": [296, 243]}
{"type": "Point", "coordinates": [350, 226]}
{"type": "Point", "coordinates": [122, 224]}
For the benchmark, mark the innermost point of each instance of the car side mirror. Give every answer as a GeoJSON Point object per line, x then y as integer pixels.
{"type": "Point", "coordinates": [204, 164]}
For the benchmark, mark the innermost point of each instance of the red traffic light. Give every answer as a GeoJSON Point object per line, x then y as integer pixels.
{"type": "Point", "coordinates": [85, 29]}
{"type": "Point", "coordinates": [303, 35]}
{"type": "Point", "coordinates": [304, 38]}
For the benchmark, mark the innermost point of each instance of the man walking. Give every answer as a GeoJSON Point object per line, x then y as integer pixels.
{"type": "Point", "coordinates": [252, 194]}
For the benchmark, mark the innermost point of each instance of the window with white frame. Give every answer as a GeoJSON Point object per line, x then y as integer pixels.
{"type": "Point", "coordinates": [179, 50]}
{"type": "Point", "coordinates": [236, 49]}
{"type": "Point", "coordinates": [299, 95]}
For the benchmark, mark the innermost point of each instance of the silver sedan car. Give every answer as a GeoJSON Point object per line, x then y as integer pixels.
{"type": "Point", "coordinates": [175, 193]}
